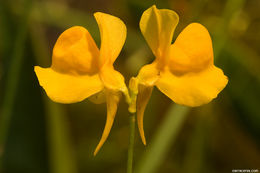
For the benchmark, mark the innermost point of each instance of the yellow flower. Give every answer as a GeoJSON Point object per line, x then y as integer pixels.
{"type": "Point", "coordinates": [80, 70]}
{"type": "Point", "coordinates": [183, 71]}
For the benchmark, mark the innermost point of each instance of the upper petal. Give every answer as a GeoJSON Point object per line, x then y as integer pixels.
{"type": "Point", "coordinates": [192, 89]}
{"type": "Point", "coordinates": [75, 52]}
{"type": "Point", "coordinates": [192, 51]}
{"type": "Point", "coordinates": [113, 35]}
{"type": "Point", "coordinates": [66, 88]}
{"type": "Point", "coordinates": [157, 27]}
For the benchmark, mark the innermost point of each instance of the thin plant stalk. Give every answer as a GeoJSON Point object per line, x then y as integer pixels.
{"type": "Point", "coordinates": [131, 143]}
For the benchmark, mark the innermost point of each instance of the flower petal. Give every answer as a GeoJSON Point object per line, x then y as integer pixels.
{"type": "Point", "coordinates": [75, 52]}
{"type": "Point", "coordinates": [144, 94]}
{"type": "Point", "coordinates": [98, 98]}
{"type": "Point", "coordinates": [192, 51]}
{"type": "Point", "coordinates": [113, 80]}
{"type": "Point", "coordinates": [157, 26]}
{"type": "Point", "coordinates": [65, 88]}
{"type": "Point", "coordinates": [141, 90]}
{"type": "Point", "coordinates": [112, 99]}
{"type": "Point", "coordinates": [192, 89]}
{"type": "Point", "coordinates": [148, 74]}
{"type": "Point", "coordinates": [113, 35]}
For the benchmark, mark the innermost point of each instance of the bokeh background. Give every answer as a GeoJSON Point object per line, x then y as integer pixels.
{"type": "Point", "coordinates": [39, 136]}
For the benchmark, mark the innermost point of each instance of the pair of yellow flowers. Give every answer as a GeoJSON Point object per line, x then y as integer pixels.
{"type": "Point", "coordinates": [184, 71]}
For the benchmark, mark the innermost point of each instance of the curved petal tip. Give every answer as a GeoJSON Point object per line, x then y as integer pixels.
{"type": "Point", "coordinates": [112, 99]}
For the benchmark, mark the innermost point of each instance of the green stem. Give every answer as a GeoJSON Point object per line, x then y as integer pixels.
{"type": "Point", "coordinates": [131, 143]}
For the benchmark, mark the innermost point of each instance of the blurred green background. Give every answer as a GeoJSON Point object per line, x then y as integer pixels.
{"type": "Point", "coordinates": [39, 136]}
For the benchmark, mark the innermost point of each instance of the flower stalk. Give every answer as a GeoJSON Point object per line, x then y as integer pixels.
{"type": "Point", "coordinates": [131, 143]}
